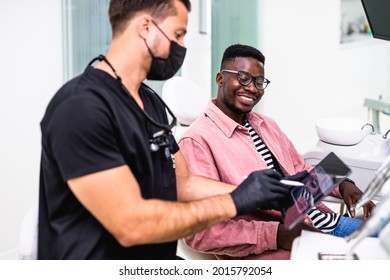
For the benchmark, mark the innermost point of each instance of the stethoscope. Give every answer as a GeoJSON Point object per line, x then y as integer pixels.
{"type": "Point", "coordinates": [161, 137]}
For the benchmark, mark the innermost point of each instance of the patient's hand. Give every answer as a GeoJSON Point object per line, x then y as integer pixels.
{"type": "Point", "coordinates": [351, 194]}
{"type": "Point", "coordinates": [286, 237]}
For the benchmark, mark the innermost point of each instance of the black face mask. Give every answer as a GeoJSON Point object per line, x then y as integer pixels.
{"type": "Point", "coordinates": [163, 69]}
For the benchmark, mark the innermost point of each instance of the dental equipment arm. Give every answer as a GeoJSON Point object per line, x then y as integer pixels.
{"type": "Point", "coordinates": [380, 217]}
{"type": "Point", "coordinates": [373, 226]}
{"type": "Point", "coordinates": [375, 186]}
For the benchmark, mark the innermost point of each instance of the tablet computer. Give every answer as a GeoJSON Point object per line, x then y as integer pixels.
{"type": "Point", "coordinates": [319, 183]}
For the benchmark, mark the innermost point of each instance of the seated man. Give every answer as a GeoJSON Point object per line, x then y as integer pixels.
{"type": "Point", "coordinates": [229, 141]}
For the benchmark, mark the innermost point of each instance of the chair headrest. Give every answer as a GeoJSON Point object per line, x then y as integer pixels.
{"type": "Point", "coordinates": [185, 98]}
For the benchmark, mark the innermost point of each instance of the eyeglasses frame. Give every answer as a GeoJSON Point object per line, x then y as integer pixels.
{"type": "Point", "coordinates": [253, 78]}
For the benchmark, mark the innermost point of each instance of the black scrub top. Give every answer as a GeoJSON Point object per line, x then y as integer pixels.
{"type": "Point", "coordinates": [91, 125]}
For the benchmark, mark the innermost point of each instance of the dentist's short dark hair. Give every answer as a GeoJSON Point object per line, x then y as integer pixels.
{"type": "Point", "coordinates": [121, 11]}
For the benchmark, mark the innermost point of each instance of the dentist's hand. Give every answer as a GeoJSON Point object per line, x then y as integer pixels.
{"type": "Point", "coordinates": [261, 189]}
{"type": "Point", "coordinates": [298, 176]}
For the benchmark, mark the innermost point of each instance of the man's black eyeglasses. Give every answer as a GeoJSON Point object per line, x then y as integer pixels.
{"type": "Point", "coordinates": [245, 78]}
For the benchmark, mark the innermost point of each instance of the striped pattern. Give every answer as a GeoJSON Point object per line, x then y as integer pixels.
{"type": "Point", "coordinates": [260, 146]}
{"type": "Point", "coordinates": [326, 222]}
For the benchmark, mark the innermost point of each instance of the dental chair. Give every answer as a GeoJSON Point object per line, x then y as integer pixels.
{"type": "Point", "coordinates": [189, 254]}
{"type": "Point", "coordinates": [28, 235]}
{"type": "Point", "coordinates": [187, 101]}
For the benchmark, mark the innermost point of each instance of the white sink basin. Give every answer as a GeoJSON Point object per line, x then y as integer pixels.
{"type": "Point", "coordinates": [342, 131]}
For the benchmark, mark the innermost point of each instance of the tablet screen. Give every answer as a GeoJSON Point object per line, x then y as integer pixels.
{"type": "Point", "coordinates": [319, 183]}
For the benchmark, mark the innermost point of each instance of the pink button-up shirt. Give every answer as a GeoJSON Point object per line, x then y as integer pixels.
{"type": "Point", "coordinates": [217, 147]}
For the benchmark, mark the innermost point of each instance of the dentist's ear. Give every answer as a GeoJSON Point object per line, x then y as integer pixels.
{"type": "Point", "coordinates": [143, 24]}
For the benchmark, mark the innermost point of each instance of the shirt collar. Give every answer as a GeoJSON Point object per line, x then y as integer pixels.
{"type": "Point", "coordinates": [225, 123]}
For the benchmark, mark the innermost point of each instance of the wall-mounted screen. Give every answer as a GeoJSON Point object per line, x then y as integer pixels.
{"type": "Point", "coordinates": [378, 16]}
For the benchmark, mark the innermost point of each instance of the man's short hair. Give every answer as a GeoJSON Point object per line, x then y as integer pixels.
{"type": "Point", "coordinates": [238, 50]}
{"type": "Point", "coordinates": [121, 11]}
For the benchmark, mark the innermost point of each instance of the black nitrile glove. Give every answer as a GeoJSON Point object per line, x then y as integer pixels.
{"type": "Point", "coordinates": [261, 189]}
{"type": "Point", "coordinates": [298, 176]}
{"type": "Point", "coordinates": [289, 201]}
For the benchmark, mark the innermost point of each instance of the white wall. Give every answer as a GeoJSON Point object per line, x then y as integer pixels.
{"type": "Point", "coordinates": [365, 72]}
{"type": "Point", "coordinates": [312, 75]}
{"type": "Point", "coordinates": [197, 64]}
{"type": "Point", "coordinates": [30, 73]}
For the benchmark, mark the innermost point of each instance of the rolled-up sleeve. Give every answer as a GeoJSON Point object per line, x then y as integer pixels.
{"type": "Point", "coordinates": [236, 238]}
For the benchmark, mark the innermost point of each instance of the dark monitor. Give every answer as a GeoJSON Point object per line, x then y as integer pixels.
{"type": "Point", "coordinates": [378, 16]}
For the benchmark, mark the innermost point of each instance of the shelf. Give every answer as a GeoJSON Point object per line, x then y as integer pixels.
{"type": "Point", "coordinates": [368, 41]}
{"type": "Point", "coordinates": [356, 38]}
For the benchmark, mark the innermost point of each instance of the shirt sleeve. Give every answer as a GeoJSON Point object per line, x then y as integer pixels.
{"type": "Point", "coordinates": [82, 138]}
{"type": "Point", "coordinates": [199, 158]}
{"type": "Point", "coordinates": [234, 237]}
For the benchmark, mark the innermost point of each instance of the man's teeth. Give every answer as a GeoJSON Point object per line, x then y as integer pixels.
{"type": "Point", "coordinates": [246, 98]}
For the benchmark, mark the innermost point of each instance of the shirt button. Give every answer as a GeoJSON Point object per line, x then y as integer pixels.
{"type": "Point", "coordinates": [248, 137]}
